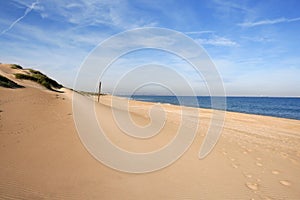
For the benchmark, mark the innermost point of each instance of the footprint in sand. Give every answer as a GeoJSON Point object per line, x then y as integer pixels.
{"type": "Point", "coordinates": [234, 166]}
{"type": "Point", "coordinates": [252, 186]}
{"type": "Point", "coordinates": [248, 175]}
{"type": "Point", "coordinates": [283, 154]}
{"type": "Point", "coordinates": [285, 183]}
{"type": "Point", "coordinates": [275, 172]}
{"type": "Point", "coordinates": [258, 180]}
{"type": "Point", "coordinates": [294, 161]}
{"type": "Point", "coordinates": [267, 198]}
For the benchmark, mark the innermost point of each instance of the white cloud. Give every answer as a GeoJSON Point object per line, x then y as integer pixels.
{"type": "Point", "coordinates": [27, 11]}
{"type": "Point", "coordinates": [115, 14]}
{"type": "Point", "coordinates": [217, 41]}
{"type": "Point", "coordinates": [224, 9]}
{"type": "Point", "coordinates": [268, 22]}
{"type": "Point", "coordinates": [62, 38]}
{"type": "Point", "coordinates": [198, 32]}
{"type": "Point", "coordinates": [210, 38]}
{"type": "Point", "coordinates": [229, 5]}
{"type": "Point", "coordinates": [258, 38]}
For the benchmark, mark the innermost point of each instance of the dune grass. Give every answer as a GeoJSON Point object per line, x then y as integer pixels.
{"type": "Point", "coordinates": [7, 83]}
{"type": "Point", "coordinates": [15, 66]}
{"type": "Point", "coordinates": [40, 78]}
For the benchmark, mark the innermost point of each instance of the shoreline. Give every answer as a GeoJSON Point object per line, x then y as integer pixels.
{"type": "Point", "coordinates": [227, 111]}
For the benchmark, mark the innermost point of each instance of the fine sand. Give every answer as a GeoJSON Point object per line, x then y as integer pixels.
{"type": "Point", "coordinates": [42, 156]}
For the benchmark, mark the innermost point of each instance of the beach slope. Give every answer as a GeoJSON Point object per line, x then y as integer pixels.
{"type": "Point", "coordinates": [42, 156]}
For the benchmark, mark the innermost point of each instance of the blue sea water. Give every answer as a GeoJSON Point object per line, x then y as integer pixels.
{"type": "Point", "coordinates": [283, 107]}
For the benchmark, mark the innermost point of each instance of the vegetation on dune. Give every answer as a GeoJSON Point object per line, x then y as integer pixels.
{"type": "Point", "coordinates": [5, 82]}
{"type": "Point", "coordinates": [15, 66]}
{"type": "Point", "coordinates": [32, 75]}
{"type": "Point", "coordinates": [40, 78]}
{"type": "Point", "coordinates": [88, 93]}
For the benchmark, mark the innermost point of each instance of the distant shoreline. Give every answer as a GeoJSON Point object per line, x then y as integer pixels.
{"type": "Point", "coordinates": [275, 109]}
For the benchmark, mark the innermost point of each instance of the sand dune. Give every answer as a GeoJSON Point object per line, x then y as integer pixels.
{"type": "Point", "coordinates": [42, 157]}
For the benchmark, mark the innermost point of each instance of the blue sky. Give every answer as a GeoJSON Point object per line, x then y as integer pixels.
{"type": "Point", "coordinates": [255, 45]}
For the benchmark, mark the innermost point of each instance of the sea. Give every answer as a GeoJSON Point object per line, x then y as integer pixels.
{"type": "Point", "coordinates": [284, 107]}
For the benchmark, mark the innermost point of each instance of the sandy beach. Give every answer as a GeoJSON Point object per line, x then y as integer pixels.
{"type": "Point", "coordinates": [42, 156]}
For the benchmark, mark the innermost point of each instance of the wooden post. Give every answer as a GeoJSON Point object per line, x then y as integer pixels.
{"type": "Point", "coordinates": [99, 91]}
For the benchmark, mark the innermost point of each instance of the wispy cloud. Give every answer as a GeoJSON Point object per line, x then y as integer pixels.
{"type": "Point", "coordinates": [114, 14]}
{"type": "Point", "coordinates": [269, 22]}
{"type": "Point", "coordinates": [229, 5]}
{"type": "Point", "coordinates": [208, 37]}
{"type": "Point", "coordinates": [217, 41]}
{"type": "Point", "coordinates": [27, 11]}
{"type": "Point", "coordinates": [229, 10]}
{"type": "Point", "coordinates": [261, 39]}
{"type": "Point", "coordinates": [198, 32]}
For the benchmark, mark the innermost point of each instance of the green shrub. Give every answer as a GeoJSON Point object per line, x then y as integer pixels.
{"type": "Point", "coordinates": [36, 72]}
{"type": "Point", "coordinates": [5, 82]}
{"type": "Point", "coordinates": [40, 78]}
{"type": "Point", "coordinates": [26, 77]}
{"type": "Point", "coordinates": [15, 66]}
{"type": "Point", "coordinates": [45, 79]}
